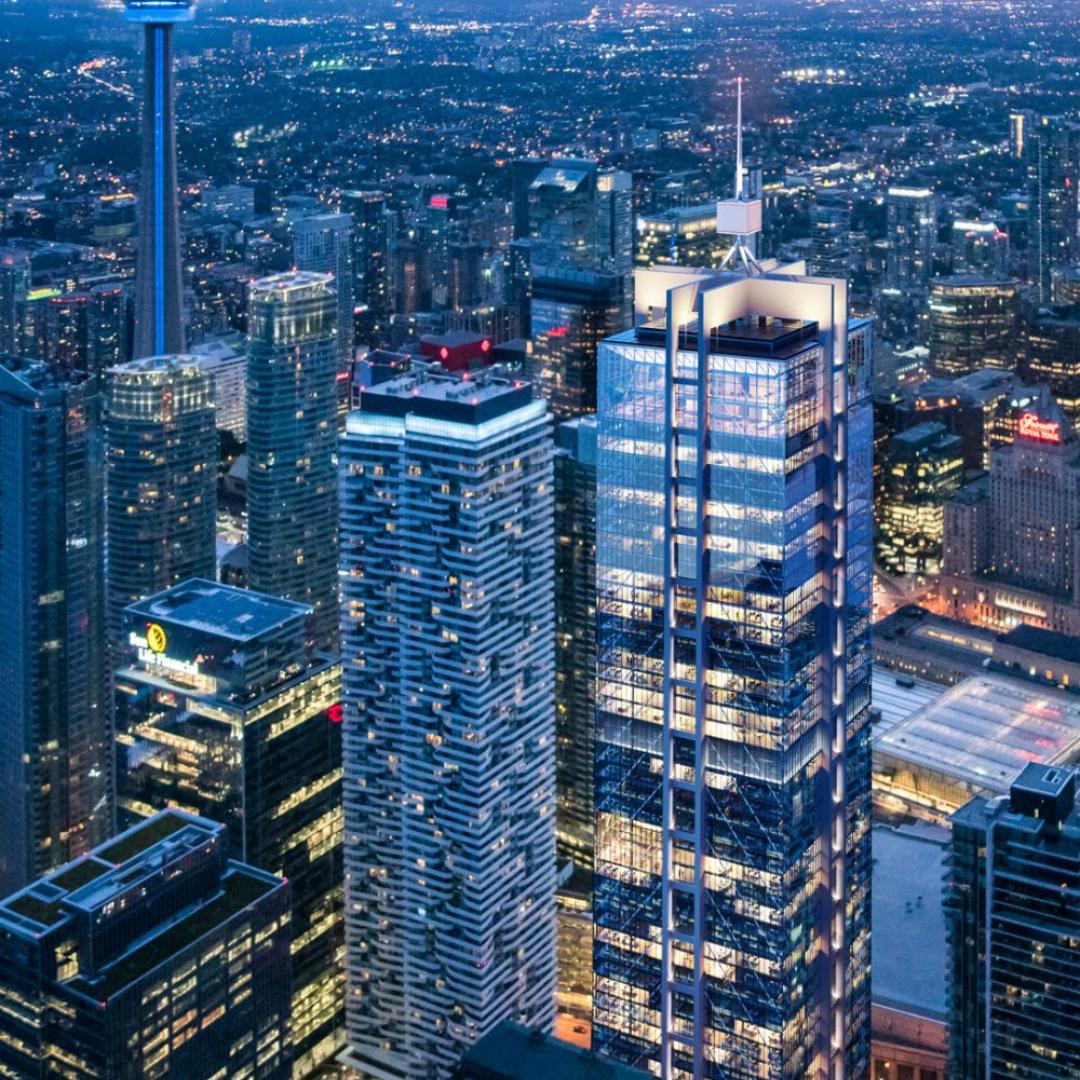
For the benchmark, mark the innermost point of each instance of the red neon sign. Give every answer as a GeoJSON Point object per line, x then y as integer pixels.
{"type": "Point", "coordinates": [335, 714]}
{"type": "Point", "coordinates": [440, 202]}
{"type": "Point", "coordinates": [1032, 427]}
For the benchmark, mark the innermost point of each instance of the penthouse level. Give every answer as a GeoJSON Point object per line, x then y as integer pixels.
{"type": "Point", "coordinates": [458, 397]}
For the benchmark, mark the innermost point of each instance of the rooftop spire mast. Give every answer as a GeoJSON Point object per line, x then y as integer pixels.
{"type": "Point", "coordinates": [739, 217]}
{"type": "Point", "coordinates": [738, 144]}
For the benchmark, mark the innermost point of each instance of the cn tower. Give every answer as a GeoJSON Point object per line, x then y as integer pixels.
{"type": "Point", "coordinates": [159, 326]}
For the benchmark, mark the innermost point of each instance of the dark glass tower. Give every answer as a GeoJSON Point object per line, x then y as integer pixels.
{"type": "Point", "coordinates": [224, 710]}
{"type": "Point", "coordinates": [292, 436]}
{"type": "Point", "coordinates": [159, 326]}
{"type": "Point", "coordinates": [154, 955]}
{"type": "Point", "coordinates": [572, 311]}
{"type": "Point", "coordinates": [54, 717]}
{"type": "Point", "coordinates": [161, 478]}
{"type": "Point", "coordinates": [575, 636]}
{"type": "Point", "coordinates": [1013, 909]}
{"type": "Point", "coordinates": [732, 869]}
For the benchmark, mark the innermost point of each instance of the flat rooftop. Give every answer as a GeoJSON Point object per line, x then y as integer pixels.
{"type": "Point", "coordinates": [1045, 642]}
{"type": "Point", "coordinates": [896, 696]}
{"type": "Point", "coordinates": [985, 729]}
{"type": "Point", "coordinates": [916, 628]}
{"type": "Point", "coordinates": [461, 397]}
{"type": "Point", "coordinates": [512, 1052]}
{"type": "Point", "coordinates": [222, 610]}
{"type": "Point", "coordinates": [750, 335]}
{"type": "Point", "coordinates": [908, 946]}
{"type": "Point", "coordinates": [88, 881]}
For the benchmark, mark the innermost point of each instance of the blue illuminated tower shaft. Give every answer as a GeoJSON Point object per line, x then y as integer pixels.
{"type": "Point", "coordinates": [158, 283]}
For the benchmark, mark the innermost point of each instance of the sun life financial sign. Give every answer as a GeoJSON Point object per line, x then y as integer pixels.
{"type": "Point", "coordinates": [151, 652]}
{"type": "Point", "coordinates": [1033, 427]}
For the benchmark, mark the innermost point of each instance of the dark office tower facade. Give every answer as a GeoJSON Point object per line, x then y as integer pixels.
{"type": "Point", "coordinates": [323, 245]}
{"type": "Point", "coordinates": [410, 275]}
{"type": "Point", "coordinates": [159, 283]}
{"type": "Point", "coordinates": [54, 723]}
{"type": "Point", "coordinates": [1012, 906]}
{"type": "Point", "coordinates": [980, 247]}
{"type": "Point", "coordinates": [292, 435]}
{"type": "Point", "coordinates": [107, 327]}
{"type": "Point", "coordinates": [464, 286]}
{"type": "Point", "coordinates": [974, 324]}
{"type": "Point", "coordinates": [732, 870]}
{"type": "Point", "coordinates": [572, 311]}
{"type": "Point", "coordinates": [921, 469]}
{"type": "Point", "coordinates": [223, 709]}
{"type": "Point", "coordinates": [911, 224]}
{"type": "Point", "coordinates": [1052, 357]}
{"type": "Point", "coordinates": [161, 478]}
{"type": "Point", "coordinates": [575, 636]}
{"type": "Point", "coordinates": [448, 676]}
{"type": "Point", "coordinates": [153, 955]}
{"type": "Point", "coordinates": [66, 332]}
{"type": "Point", "coordinates": [911, 232]}
{"type": "Point", "coordinates": [1053, 173]}
{"type": "Point", "coordinates": [14, 285]}
{"type": "Point", "coordinates": [830, 233]}
{"type": "Point", "coordinates": [371, 252]}
{"type": "Point", "coordinates": [615, 221]}
{"type": "Point", "coordinates": [81, 331]}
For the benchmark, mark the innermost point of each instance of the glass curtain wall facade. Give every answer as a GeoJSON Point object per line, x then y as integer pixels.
{"type": "Point", "coordinates": [732, 762]}
{"type": "Point", "coordinates": [54, 722]}
{"type": "Point", "coordinates": [152, 956]}
{"type": "Point", "coordinates": [161, 478]}
{"type": "Point", "coordinates": [575, 635]}
{"type": "Point", "coordinates": [448, 662]}
{"type": "Point", "coordinates": [1012, 904]}
{"type": "Point", "coordinates": [224, 710]}
{"type": "Point", "coordinates": [292, 436]}
{"type": "Point", "coordinates": [324, 245]}
{"type": "Point", "coordinates": [572, 311]}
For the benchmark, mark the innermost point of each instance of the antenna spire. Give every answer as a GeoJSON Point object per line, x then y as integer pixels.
{"type": "Point", "coordinates": [740, 217]}
{"type": "Point", "coordinates": [738, 143]}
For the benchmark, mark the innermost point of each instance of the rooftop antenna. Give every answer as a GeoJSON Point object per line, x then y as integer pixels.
{"type": "Point", "coordinates": [739, 217]}
{"type": "Point", "coordinates": [738, 143]}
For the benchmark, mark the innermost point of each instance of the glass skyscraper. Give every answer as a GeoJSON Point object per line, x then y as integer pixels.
{"type": "Point", "coordinates": [54, 720]}
{"type": "Point", "coordinates": [734, 539]}
{"type": "Point", "coordinates": [161, 478]}
{"type": "Point", "coordinates": [154, 955]}
{"type": "Point", "coordinates": [575, 635]}
{"type": "Point", "coordinates": [1052, 150]}
{"type": "Point", "coordinates": [572, 311]}
{"type": "Point", "coordinates": [323, 244]}
{"type": "Point", "coordinates": [224, 710]}
{"type": "Point", "coordinates": [1013, 912]}
{"type": "Point", "coordinates": [448, 657]}
{"type": "Point", "coordinates": [292, 435]}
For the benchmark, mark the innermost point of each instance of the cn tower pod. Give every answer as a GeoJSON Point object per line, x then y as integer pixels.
{"type": "Point", "coordinates": [159, 11]}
